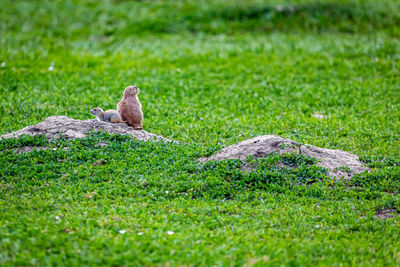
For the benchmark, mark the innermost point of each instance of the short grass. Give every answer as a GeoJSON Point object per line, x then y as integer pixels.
{"type": "Point", "coordinates": [212, 73]}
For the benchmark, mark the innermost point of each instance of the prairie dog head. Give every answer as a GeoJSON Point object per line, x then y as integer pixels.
{"type": "Point", "coordinates": [131, 91]}
{"type": "Point", "coordinates": [96, 111]}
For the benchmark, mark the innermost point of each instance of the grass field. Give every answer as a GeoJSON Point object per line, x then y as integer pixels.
{"type": "Point", "coordinates": [211, 73]}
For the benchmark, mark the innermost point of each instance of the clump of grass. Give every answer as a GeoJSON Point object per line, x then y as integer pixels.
{"type": "Point", "coordinates": [24, 140]}
{"type": "Point", "coordinates": [380, 161]}
{"type": "Point", "coordinates": [386, 179]}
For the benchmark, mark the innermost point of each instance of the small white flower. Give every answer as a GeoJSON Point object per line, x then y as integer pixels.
{"type": "Point", "coordinates": [57, 217]}
{"type": "Point", "coordinates": [3, 64]}
{"type": "Point", "coordinates": [166, 192]}
{"type": "Point", "coordinates": [170, 232]}
{"type": "Point", "coordinates": [317, 226]}
{"type": "Point", "coordinates": [122, 231]}
{"type": "Point", "coordinates": [140, 233]}
{"type": "Point", "coordinates": [51, 68]}
{"type": "Point", "coordinates": [319, 116]}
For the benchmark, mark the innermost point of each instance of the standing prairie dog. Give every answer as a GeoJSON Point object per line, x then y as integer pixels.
{"type": "Point", "coordinates": [107, 116]}
{"type": "Point", "coordinates": [130, 108]}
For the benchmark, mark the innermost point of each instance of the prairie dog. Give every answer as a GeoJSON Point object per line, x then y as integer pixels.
{"type": "Point", "coordinates": [107, 116]}
{"type": "Point", "coordinates": [130, 108]}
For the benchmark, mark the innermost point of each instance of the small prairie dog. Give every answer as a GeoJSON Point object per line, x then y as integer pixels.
{"type": "Point", "coordinates": [107, 116]}
{"type": "Point", "coordinates": [130, 108]}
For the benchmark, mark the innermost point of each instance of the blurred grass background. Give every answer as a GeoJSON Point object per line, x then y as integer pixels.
{"type": "Point", "coordinates": [108, 18]}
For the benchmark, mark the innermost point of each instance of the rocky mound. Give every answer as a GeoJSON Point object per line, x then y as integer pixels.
{"type": "Point", "coordinates": [340, 163]}
{"type": "Point", "coordinates": [55, 126]}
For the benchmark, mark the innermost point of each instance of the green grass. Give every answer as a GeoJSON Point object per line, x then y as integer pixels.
{"type": "Point", "coordinates": [211, 73]}
{"type": "Point", "coordinates": [81, 200]}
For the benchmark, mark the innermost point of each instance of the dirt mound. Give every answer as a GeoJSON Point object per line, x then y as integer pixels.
{"type": "Point", "coordinates": [340, 163]}
{"type": "Point", "coordinates": [55, 126]}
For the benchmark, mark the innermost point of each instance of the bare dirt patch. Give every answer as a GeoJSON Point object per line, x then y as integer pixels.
{"type": "Point", "coordinates": [386, 214]}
